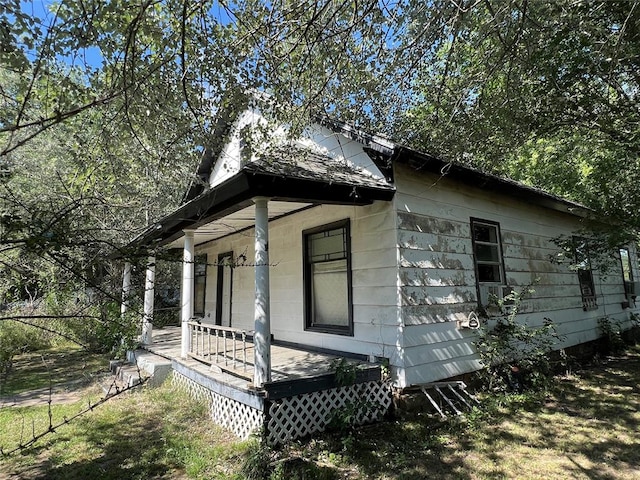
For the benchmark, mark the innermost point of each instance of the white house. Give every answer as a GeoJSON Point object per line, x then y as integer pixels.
{"type": "Point", "coordinates": [346, 244]}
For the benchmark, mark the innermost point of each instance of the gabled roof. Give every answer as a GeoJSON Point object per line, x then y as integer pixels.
{"type": "Point", "coordinates": [291, 173]}
{"type": "Point", "coordinates": [298, 162]}
{"type": "Point", "coordinates": [385, 152]}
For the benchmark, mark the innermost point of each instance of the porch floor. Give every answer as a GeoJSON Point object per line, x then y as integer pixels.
{"type": "Point", "coordinates": [289, 365]}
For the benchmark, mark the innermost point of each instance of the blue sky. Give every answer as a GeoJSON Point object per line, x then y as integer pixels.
{"type": "Point", "coordinates": [91, 56]}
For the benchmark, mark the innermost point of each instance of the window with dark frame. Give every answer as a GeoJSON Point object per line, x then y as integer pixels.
{"type": "Point", "coordinates": [327, 279]}
{"type": "Point", "coordinates": [585, 274]}
{"type": "Point", "coordinates": [200, 284]}
{"type": "Point", "coordinates": [487, 251]}
{"type": "Point", "coordinates": [488, 262]}
{"type": "Point", "coordinates": [627, 272]}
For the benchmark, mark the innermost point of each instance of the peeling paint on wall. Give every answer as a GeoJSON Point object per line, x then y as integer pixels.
{"type": "Point", "coordinates": [434, 277]}
{"type": "Point", "coordinates": [421, 223]}
{"type": "Point", "coordinates": [428, 314]}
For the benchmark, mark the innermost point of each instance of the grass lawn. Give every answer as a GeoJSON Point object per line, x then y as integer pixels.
{"type": "Point", "coordinates": [155, 433]}
{"type": "Point", "coordinates": [64, 364]}
{"type": "Point", "coordinates": [586, 428]}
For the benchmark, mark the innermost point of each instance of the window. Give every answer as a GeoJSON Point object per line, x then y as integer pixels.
{"type": "Point", "coordinates": [487, 254]}
{"type": "Point", "coordinates": [585, 274]}
{"type": "Point", "coordinates": [327, 279]}
{"type": "Point", "coordinates": [487, 251]}
{"type": "Point", "coordinates": [224, 289]}
{"type": "Point", "coordinates": [627, 272]}
{"type": "Point", "coordinates": [200, 282]}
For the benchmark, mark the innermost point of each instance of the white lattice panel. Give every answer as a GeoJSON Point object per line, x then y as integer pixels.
{"type": "Point", "coordinates": [241, 419]}
{"type": "Point", "coordinates": [291, 417]}
{"type": "Point", "coordinates": [302, 415]}
{"type": "Point", "coordinates": [194, 389]}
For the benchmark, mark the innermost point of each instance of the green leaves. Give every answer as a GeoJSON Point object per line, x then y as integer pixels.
{"type": "Point", "coordinates": [108, 104]}
{"type": "Point", "coordinates": [545, 92]}
{"type": "Point", "coordinates": [514, 354]}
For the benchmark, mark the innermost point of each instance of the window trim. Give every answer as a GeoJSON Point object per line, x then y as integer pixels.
{"type": "Point", "coordinates": [480, 285]}
{"type": "Point", "coordinates": [198, 260]}
{"type": "Point", "coordinates": [476, 221]}
{"type": "Point", "coordinates": [347, 330]}
{"type": "Point", "coordinates": [589, 302]}
{"type": "Point", "coordinates": [629, 285]}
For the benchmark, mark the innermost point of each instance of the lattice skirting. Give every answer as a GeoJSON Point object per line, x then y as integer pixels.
{"type": "Point", "coordinates": [241, 419]}
{"type": "Point", "coordinates": [293, 417]}
{"type": "Point", "coordinates": [194, 389]}
{"type": "Point", "coordinates": [301, 415]}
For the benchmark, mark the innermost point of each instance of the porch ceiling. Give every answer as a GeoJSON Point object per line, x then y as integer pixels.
{"type": "Point", "coordinates": [240, 220]}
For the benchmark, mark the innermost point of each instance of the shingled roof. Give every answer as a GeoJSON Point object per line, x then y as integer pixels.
{"type": "Point", "coordinates": [293, 173]}
{"type": "Point", "coordinates": [302, 163]}
{"type": "Point", "coordinates": [290, 174]}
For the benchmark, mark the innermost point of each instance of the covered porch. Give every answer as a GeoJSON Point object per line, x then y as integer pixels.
{"type": "Point", "coordinates": [226, 355]}
{"type": "Point", "coordinates": [246, 204]}
{"type": "Point", "coordinates": [305, 390]}
{"type": "Point", "coordinates": [286, 389]}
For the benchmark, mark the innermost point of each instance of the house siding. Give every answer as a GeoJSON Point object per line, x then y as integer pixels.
{"type": "Point", "coordinates": [374, 274]}
{"type": "Point", "coordinates": [315, 137]}
{"type": "Point", "coordinates": [437, 280]}
{"type": "Point", "coordinates": [413, 273]}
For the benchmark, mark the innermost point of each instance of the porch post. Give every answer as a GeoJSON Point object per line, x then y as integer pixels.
{"type": "Point", "coordinates": [149, 292]}
{"type": "Point", "coordinates": [126, 288]}
{"type": "Point", "coordinates": [262, 324]}
{"type": "Point", "coordinates": [187, 291]}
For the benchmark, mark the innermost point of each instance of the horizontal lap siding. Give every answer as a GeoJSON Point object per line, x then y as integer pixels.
{"type": "Point", "coordinates": [374, 279]}
{"type": "Point", "coordinates": [437, 278]}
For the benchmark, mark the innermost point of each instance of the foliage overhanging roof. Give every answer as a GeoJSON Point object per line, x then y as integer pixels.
{"type": "Point", "coordinates": [295, 174]}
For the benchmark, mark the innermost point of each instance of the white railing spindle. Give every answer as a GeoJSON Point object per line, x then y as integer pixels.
{"type": "Point", "coordinates": [202, 349]}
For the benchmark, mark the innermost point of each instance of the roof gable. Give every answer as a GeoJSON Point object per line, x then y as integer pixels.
{"type": "Point", "coordinates": [329, 163]}
{"type": "Point", "coordinates": [251, 139]}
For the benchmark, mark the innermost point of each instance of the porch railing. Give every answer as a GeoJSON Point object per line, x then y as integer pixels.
{"type": "Point", "coordinates": [221, 346]}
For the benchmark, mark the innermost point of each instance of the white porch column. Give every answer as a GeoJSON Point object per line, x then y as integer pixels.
{"type": "Point", "coordinates": [126, 288]}
{"type": "Point", "coordinates": [149, 292]}
{"type": "Point", "coordinates": [188, 269]}
{"type": "Point", "coordinates": [262, 325]}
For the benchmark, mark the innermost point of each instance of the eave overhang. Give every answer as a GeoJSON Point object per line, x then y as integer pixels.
{"type": "Point", "coordinates": [486, 181]}
{"type": "Point", "coordinates": [237, 193]}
